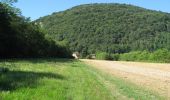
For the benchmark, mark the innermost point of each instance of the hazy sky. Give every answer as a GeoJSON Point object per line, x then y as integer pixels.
{"type": "Point", "coordinates": [39, 8]}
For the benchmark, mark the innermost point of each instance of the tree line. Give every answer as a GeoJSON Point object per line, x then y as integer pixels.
{"type": "Point", "coordinates": [160, 55]}
{"type": "Point", "coordinates": [19, 37]}
{"type": "Point", "coordinates": [110, 28]}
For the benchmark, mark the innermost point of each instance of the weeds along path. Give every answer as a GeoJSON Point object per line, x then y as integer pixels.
{"type": "Point", "coordinates": [153, 76]}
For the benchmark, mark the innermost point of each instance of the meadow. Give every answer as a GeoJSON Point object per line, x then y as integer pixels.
{"type": "Point", "coordinates": [64, 79]}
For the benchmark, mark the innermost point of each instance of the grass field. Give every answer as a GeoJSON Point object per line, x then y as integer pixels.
{"type": "Point", "coordinates": [63, 79]}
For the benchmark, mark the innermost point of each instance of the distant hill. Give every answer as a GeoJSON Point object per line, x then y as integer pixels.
{"type": "Point", "coordinates": [112, 28]}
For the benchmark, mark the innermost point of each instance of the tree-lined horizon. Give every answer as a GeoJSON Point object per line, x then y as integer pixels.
{"type": "Point", "coordinates": [111, 28]}
{"type": "Point", "coordinates": [35, 56]}
{"type": "Point", "coordinates": [88, 29]}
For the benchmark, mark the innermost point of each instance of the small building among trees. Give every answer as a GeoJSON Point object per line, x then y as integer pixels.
{"type": "Point", "coordinates": [76, 55]}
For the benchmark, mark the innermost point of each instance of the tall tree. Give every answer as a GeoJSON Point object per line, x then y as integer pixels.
{"type": "Point", "coordinates": [21, 38]}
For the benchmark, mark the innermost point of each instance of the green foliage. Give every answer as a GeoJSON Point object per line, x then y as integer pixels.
{"type": "Point", "coordinates": [131, 56]}
{"type": "Point", "coordinates": [3, 70]}
{"type": "Point", "coordinates": [64, 79]}
{"type": "Point", "coordinates": [111, 28]}
{"type": "Point", "coordinates": [161, 55]}
{"type": "Point", "coordinates": [9, 2]}
{"type": "Point", "coordinates": [115, 57]}
{"type": "Point", "coordinates": [143, 56]}
{"type": "Point", "coordinates": [21, 38]}
{"type": "Point", "coordinates": [103, 56]}
{"type": "Point", "coordinates": [106, 56]}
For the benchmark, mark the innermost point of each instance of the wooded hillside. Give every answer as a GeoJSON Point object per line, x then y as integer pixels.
{"type": "Point", "coordinates": [112, 28]}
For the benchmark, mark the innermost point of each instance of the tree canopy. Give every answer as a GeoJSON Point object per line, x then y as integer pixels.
{"type": "Point", "coordinates": [21, 38]}
{"type": "Point", "coordinates": [111, 28]}
{"type": "Point", "coordinates": [10, 2]}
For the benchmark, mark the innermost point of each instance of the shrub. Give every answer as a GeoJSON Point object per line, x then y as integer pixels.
{"type": "Point", "coordinates": [103, 56]}
{"type": "Point", "coordinates": [161, 55]}
{"type": "Point", "coordinates": [115, 57]}
{"type": "Point", "coordinates": [131, 56]}
{"type": "Point", "coordinates": [144, 55]}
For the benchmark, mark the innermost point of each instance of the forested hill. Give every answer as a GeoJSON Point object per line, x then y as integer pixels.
{"type": "Point", "coordinates": [113, 28]}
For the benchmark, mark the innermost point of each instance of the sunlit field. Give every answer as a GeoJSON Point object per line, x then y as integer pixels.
{"type": "Point", "coordinates": [63, 79]}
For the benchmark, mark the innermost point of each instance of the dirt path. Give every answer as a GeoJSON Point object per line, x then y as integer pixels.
{"type": "Point", "coordinates": [153, 76]}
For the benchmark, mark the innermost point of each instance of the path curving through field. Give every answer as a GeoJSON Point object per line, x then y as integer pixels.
{"type": "Point", "coordinates": [153, 76]}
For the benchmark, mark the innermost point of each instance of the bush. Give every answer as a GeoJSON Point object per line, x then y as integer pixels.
{"type": "Point", "coordinates": [131, 56]}
{"type": "Point", "coordinates": [161, 55]}
{"type": "Point", "coordinates": [103, 56]}
{"type": "Point", "coordinates": [143, 56]}
{"type": "Point", "coordinates": [115, 57]}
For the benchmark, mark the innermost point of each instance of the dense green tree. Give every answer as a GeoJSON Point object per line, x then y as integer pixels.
{"type": "Point", "coordinates": [21, 38]}
{"type": "Point", "coordinates": [111, 28]}
{"type": "Point", "coordinates": [160, 55]}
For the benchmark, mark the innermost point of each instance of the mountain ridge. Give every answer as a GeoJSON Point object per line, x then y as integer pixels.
{"type": "Point", "coordinates": [112, 28]}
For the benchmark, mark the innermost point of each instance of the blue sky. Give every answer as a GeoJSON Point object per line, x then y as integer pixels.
{"type": "Point", "coordinates": [40, 8]}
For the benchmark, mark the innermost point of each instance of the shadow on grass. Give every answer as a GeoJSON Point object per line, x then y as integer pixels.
{"type": "Point", "coordinates": [13, 80]}
{"type": "Point", "coordinates": [51, 60]}
{"type": "Point", "coordinates": [40, 60]}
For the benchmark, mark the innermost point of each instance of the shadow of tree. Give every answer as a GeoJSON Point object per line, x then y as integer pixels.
{"type": "Point", "coordinates": [13, 80]}
{"type": "Point", "coordinates": [52, 60]}
{"type": "Point", "coordinates": [40, 60]}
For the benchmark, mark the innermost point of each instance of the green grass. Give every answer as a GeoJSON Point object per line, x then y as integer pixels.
{"type": "Point", "coordinates": [63, 79]}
